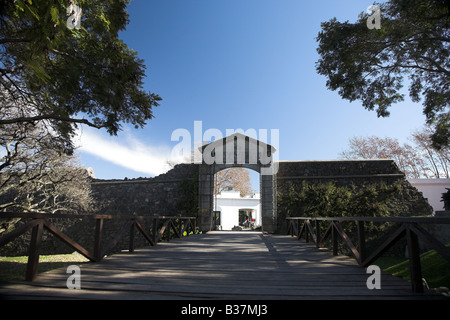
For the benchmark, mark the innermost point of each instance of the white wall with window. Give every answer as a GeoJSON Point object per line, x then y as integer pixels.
{"type": "Point", "coordinates": [234, 209]}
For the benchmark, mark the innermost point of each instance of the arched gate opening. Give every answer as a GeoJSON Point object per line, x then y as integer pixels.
{"type": "Point", "coordinates": [237, 150]}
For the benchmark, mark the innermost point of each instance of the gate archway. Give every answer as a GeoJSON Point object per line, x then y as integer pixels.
{"type": "Point", "coordinates": [238, 150]}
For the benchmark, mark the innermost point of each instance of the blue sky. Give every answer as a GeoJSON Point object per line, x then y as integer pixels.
{"type": "Point", "coordinates": [233, 64]}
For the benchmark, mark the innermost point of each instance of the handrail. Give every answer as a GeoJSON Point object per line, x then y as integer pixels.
{"type": "Point", "coordinates": [410, 227]}
{"type": "Point", "coordinates": [438, 220]}
{"type": "Point", "coordinates": [40, 222]}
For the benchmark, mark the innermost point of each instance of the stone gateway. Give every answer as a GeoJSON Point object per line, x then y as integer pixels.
{"type": "Point", "coordinates": [187, 189]}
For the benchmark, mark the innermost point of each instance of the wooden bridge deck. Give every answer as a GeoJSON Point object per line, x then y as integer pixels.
{"type": "Point", "coordinates": [218, 265]}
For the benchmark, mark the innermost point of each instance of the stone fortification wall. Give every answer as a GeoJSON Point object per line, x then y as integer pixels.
{"type": "Point", "coordinates": [160, 195]}
{"type": "Point", "coordinates": [342, 172]}
{"type": "Point", "coordinates": [176, 192]}
{"type": "Point", "coordinates": [358, 173]}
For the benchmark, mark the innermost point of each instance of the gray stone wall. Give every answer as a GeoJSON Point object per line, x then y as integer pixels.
{"type": "Point", "coordinates": [160, 195]}
{"type": "Point", "coordinates": [356, 172]}
{"type": "Point", "coordinates": [176, 192]}
{"type": "Point", "coordinates": [342, 172]}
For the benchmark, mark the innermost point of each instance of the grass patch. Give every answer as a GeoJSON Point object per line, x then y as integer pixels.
{"type": "Point", "coordinates": [14, 268]}
{"type": "Point", "coordinates": [387, 262]}
{"type": "Point", "coordinates": [435, 269]}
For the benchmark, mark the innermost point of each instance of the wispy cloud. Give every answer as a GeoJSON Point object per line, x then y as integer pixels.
{"type": "Point", "coordinates": [127, 152]}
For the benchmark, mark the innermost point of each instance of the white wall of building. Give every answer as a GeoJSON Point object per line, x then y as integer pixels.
{"type": "Point", "coordinates": [432, 190]}
{"type": "Point", "coordinates": [230, 202]}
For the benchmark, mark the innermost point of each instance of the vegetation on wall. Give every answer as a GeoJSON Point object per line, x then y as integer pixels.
{"type": "Point", "coordinates": [330, 200]}
{"type": "Point", "coordinates": [188, 204]}
{"type": "Point", "coordinates": [369, 200]}
{"type": "Point", "coordinates": [446, 199]}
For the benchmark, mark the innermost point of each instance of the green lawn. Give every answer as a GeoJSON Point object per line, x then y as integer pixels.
{"type": "Point", "coordinates": [14, 268]}
{"type": "Point", "coordinates": [435, 269]}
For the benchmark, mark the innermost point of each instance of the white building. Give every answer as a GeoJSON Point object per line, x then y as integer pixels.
{"type": "Point", "coordinates": [235, 210]}
{"type": "Point", "coordinates": [432, 190]}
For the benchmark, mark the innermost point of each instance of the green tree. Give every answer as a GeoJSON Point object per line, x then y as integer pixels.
{"type": "Point", "coordinates": [70, 76]}
{"type": "Point", "coordinates": [370, 64]}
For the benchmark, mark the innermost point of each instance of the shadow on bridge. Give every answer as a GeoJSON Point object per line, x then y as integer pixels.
{"type": "Point", "coordinates": [218, 265]}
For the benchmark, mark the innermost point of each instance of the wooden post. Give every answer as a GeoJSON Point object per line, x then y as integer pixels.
{"type": "Point", "coordinates": [317, 232]}
{"type": "Point", "coordinates": [33, 255]}
{"type": "Point", "coordinates": [168, 230]}
{"type": "Point", "coordinates": [98, 239]}
{"type": "Point", "coordinates": [305, 225]}
{"type": "Point", "coordinates": [361, 241]}
{"type": "Point", "coordinates": [155, 229]}
{"type": "Point", "coordinates": [414, 261]}
{"type": "Point", "coordinates": [334, 238]}
{"type": "Point", "coordinates": [131, 245]}
{"type": "Point", "coordinates": [186, 225]}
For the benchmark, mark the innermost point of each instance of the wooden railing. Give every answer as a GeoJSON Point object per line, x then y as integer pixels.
{"type": "Point", "coordinates": [161, 226]}
{"type": "Point", "coordinates": [409, 227]}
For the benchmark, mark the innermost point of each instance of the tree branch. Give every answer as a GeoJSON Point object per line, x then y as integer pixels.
{"type": "Point", "coordinates": [49, 117]}
{"type": "Point", "coordinates": [6, 40]}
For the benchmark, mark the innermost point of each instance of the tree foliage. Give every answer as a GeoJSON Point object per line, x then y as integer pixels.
{"type": "Point", "coordinates": [34, 176]}
{"type": "Point", "coordinates": [235, 178]}
{"type": "Point", "coordinates": [370, 64]}
{"type": "Point", "coordinates": [70, 76]}
{"type": "Point", "coordinates": [330, 200]}
{"type": "Point", "coordinates": [416, 160]}
{"type": "Point", "coordinates": [54, 77]}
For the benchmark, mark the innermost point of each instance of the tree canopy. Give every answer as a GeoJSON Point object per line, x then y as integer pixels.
{"type": "Point", "coordinates": [66, 75]}
{"type": "Point", "coordinates": [370, 64]}
{"type": "Point", "coordinates": [235, 178]}
{"type": "Point", "coordinates": [62, 64]}
{"type": "Point", "coordinates": [416, 160]}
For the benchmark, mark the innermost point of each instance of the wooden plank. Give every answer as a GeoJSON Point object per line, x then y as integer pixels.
{"type": "Point", "coordinates": [393, 238]}
{"type": "Point", "coordinates": [311, 231]}
{"type": "Point", "coordinates": [431, 220]}
{"type": "Point", "coordinates": [144, 233]}
{"type": "Point", "coordinates": [414, 261]}
{"type": "Point", "coordinates": [18, 232]}
{"type": "Point", "coordinates": [98, 239]}
{"type": "Point", "coordinates": [131, 243]}
{"type": "Point", "coordinates": [161, 232]}
{"type": "Point", "coordinates": [218, 265]}
{"type": "Point", "coordinates": [116, 238]}
{"type": "Point", "coordinates": [432, 241]}
{"type": "Point", "coordinates": [347, 241]}
{"type": "Point", "coordinates": [326, 234]}
{"type": "Point", "coordinates": [33, 255]}
{"type": "Point", "coordinates": [69, 241]}
{"type": "Point", "coordinates": [361, 241]}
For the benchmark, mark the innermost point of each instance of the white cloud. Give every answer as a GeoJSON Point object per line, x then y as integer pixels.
{"type": "Point", "coordinates": [129, 152]}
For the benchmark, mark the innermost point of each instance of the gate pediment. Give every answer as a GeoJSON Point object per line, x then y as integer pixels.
{"type": "Point", "coordinates": [239, 150]}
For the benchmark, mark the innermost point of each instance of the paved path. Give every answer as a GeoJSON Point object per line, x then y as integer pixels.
{"type": "Point", "coordinates": [218, 265]}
